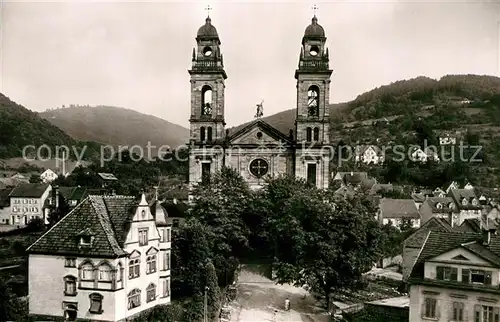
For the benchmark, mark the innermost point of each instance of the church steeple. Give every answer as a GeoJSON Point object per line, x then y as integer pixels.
{"type": "Point", "coordinates": [207, 86]}
{"type": "Point", "coordinates": [207, 121]}
{"type": "Point", "coordinates": [313, 86]}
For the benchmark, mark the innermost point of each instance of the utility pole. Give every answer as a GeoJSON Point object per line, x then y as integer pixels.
{"type": "Point", "coordinates": [205, 305]}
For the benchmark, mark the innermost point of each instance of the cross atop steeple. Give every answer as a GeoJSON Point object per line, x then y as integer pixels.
{"type": "Point", "coordinates": [315, 7]}
{"type": "Point", "coordinates": [208, 8]}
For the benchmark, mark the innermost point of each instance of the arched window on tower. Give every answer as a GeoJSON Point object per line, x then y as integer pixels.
{"type": "Point", "coordinates": [308, 134]}
{"type": "Point", "coordinates": [209, 133]}
{"type": "Point", "coordinates": [316, 134]}
{"type": "Point", "coordinates": [313, 101]}
{"type": "Point", "coordinates": [202, 133]}
{"type": "Point", "coordinates": [206, 100]}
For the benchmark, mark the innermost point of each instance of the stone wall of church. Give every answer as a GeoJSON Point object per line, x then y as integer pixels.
{"type": "Point", "coordinates": [322, 160]}
{"type": "Point", "coordinates": [279, 163]}
{"type": "Point", "coordinates": [198, 156]}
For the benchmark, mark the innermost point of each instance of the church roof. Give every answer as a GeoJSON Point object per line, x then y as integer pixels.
{"type": "Point", "coordinates": [266, 127]}
{"type": "Point", "coordinates": [207, 30]}
{"type": "Point", "coordinates": [314, 29]}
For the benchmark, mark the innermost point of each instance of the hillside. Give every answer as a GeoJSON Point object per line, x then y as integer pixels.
{"type": "Point", "coordinates": [407, 112]}
{"type": "Point", "coordinates": [116, 126]}
{"type": "Point", "coordinates": [20, 127]}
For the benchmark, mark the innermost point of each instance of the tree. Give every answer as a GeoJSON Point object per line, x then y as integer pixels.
{"type": "Point", "coordinates": [11, 308]}
{"type": "Point", "coordinates": [189, 253]}
{"type": "Point", "coordinates": [321, 240]}
{"type": "Point", "coordinates": [221, 205]}
{"type": "Point", "coordinates": [57, 213]}
{"type": "Point", "coordinates": [213, 291]}
{"type": "Point", "coordinates": [35, 225]}
{"type": "Point", "coordinates": [35, 179]}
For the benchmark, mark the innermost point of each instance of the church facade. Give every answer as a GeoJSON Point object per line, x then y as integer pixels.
{"type": "Point", "coordinates": [258, 150]}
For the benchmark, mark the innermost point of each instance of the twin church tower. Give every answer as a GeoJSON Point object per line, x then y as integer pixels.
{"type": "Point", "coordinates": [258, 150]}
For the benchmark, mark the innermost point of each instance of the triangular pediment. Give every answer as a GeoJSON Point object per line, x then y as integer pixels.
{"type": "Point", "coordinates": [152, 251]}
{"type": "Point", "coordinates": [135, 254]}
{"type": "Point", "coordinates": [459, 252]}
{"type": "Point", "coordinates": [258, 133]}
{"type": "Point", "coordinates": [460, 257]}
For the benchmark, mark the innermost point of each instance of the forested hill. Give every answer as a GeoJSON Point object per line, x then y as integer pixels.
{"type": "Point", "coordinates": [401, 97]}
{"type": "Point", "coordinates": [20, 127]}
{"type": "Point", "coordinates": [116, 126]}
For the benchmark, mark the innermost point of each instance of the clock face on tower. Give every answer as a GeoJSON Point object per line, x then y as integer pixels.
{"type": "Point", "coordinates": [259, 167]}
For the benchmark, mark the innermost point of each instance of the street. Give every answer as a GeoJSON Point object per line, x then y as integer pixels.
{"type": "Point", "coordinates": [259, 299]}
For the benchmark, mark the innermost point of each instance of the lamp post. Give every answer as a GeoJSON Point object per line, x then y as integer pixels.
{"type": "Point", "coordinates": [205, 305]}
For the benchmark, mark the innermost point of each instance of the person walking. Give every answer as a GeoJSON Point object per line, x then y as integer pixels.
{"type": "Point", "coordinates": [287, 304]}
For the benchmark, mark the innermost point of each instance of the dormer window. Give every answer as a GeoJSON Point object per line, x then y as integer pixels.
{"type": "Point", "coordinates": [464, 201]}
{"type": "Point", "coordinates": [474, 202]}
{"type": "Point", "coordinates": [439, 206]}
{"type": "Point", "coordinates": [85, 240]}
{"type": "Point", "coordinates": [451, 205]}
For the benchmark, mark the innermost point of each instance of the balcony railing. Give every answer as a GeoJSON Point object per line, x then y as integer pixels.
{"type": "Point", "coordinates": [207, 64]}
{"type": "Point", "coordinates": [313, 64]}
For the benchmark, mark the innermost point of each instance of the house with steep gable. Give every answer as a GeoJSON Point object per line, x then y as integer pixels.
{"type": "Point", "coordinates": [439, 207]}
{"type": "Point", "coordinates": [369, 154]}
{"type": "Point", "coordinates": [467, 203]}
{"type": "Point", "coordinates": [413, 244]}
{"type": "Point", "coordinates": [456, 278]}
{"type": "Point", "coordinates": [48, 176]}
{"type": "Point", "coordinates": [107, 260]}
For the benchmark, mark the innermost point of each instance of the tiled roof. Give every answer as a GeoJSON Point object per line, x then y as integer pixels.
{"type": "Point", "coordinates": [441, 242]}
{"type": "Point", "coordinates": [459, 194]}
{"type": "Point", "coordinates": [445, 204]}
{"type": "Point", "coordinates": [417, 239]}
{"type": "Point", "coordinates": [398, 208]}
{"type": "Point", "coordinates": [418, 197]}
{"type": "Point", "coordinates": [381, 187]}
{"type": "Point", "coordinates": [355, 178]}
{"type": "Point", "coordinates": [29, 190]}
{"type": "Point", "coordinates": [107, 217]}
{"type": "Point", "coordinates": [474, 225]}
{"type": "Point", "coordinates": [4, 197]}
{"type": "Point", "coordinates": [344, 191]}
{"type": "Point", "coordinates": [437, 243]}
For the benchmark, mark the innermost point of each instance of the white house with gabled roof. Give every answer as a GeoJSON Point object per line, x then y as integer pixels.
{"type": "Point", "coordinates": [107, 260]}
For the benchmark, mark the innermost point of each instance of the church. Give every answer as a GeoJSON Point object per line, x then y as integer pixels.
{"type": "Point", "coordinates": [258, 150]}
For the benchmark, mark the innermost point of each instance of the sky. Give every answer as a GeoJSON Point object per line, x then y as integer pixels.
{"type": "Point", "coordinates": [135, 54]}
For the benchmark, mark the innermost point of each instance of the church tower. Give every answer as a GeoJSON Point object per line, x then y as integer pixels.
{"type": "Point", "coordinates": [207, 104]}
{"type": "Point", "coordinates": [312, 118]}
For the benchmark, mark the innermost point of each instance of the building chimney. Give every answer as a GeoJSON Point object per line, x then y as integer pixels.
{"type": "Point", "coordinates": [56, 188]}
{"type": "Point", "coordinates": [486, 236]}
{"type": "Point", "coordinates": [156, 193]}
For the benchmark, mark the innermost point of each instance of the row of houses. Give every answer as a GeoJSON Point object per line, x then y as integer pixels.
{"type": "Point", "coordinates": [26, 201]}
{"type": "Point", "coordinates": [454, 204]}
{"type": "Point", "coordinates": [372, 154]}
